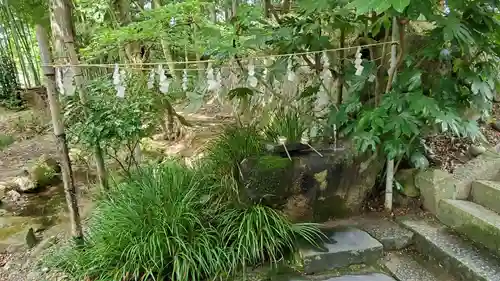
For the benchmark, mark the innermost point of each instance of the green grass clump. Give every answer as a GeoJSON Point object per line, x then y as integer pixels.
{"type": "Point", "coordinates": [226, 152]}
{"type": "Point", "coordinates": [168, 223]}
{"type": "Point", "coordinates": [288, 124]}
{"type": "Point", "coordinates": [5, 140]}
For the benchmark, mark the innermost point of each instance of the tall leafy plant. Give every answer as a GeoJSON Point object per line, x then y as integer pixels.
{"type": "Point", "coordinates": [454, 69]}
{"type": "Point", "coordinates": [9, 85]}
{"type": "Point", "coordinates": [118, 124]}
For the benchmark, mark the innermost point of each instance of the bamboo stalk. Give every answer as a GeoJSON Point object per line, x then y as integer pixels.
{"type": "Point", "coordinates": [58, 127]}
{"type": "Point", "coordinates": [62, 21]}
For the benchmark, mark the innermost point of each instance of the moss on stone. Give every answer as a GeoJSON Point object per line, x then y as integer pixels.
{"type": "Point", "coordinates": [321, 179]}
{"type": "Point", "coordinates": [44, 172]}
{"type": "Point", "coordinates": [336, 208]}
{"type": "Point", "coordinates": [270, 176]}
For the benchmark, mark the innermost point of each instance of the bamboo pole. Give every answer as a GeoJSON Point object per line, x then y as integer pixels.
{"type": "Point", "coordinates": [63, 27]}
{"type": "Point", "coordinates": [58, 126]}
{"type": "Point", "coordinates": [389, 181]}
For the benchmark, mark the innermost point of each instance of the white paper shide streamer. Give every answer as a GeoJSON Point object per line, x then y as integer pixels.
{"type": "Point", "coordinates": [326, 74]}
{"type": "Point", "coordinates": [292, 77]}
{"type": "Point", "coordinates": [357, 62]}
{"type": "Point", "coordinates": [151, 79]}
{"type": "Point", "coordinates": [185, 80]}
{"type": "Point", "coordinates": [118, 81]}
{"type": "Point", "coordinates": [323, 98]}
{"type": "Point", "coordinates": [213, 80]}
{"type": "Point", "coordinates": [65, 80]}
{"type": "Point", "coordinates": [265, 71]}
{"type": "Point", "coordinates": [59, 80]}
{"type": "Point", "coordinates": [163, 81]}
{"type": "Point", "coordinates": [252, 80]}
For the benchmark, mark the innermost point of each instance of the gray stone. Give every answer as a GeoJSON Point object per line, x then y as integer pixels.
{"type": "Point", "coordinates": [390, 234]}
{"type": "Point", "coordinates": [476, 150]}
{"type": "Point", "coordinates": [406, 177]}
{"type": "Point", "coordinates": [496, 125]}
{"type": "Point", "coordinates": [473, 220]}
{"type": "Point", "coordinates": [31, 239]}
{"type": "Point", "coordinates": [406, 268]}
{"type": "Point", "coordinates": [312, 187]}
{"type": "Point", "coordinates": [367, 277]}
{"type": "Point", "coordinates": [466, 261]}
{"type": "Point", "coordinates": [348, 246]}
{"type": "Point", "coordinates": [483, 167]}
{"type": "Point", "coordinates": [435, 185]}
{"type": "Point", "coordinates": [486, 193]}
{"type": "Point", "coordinates": [24, 184]}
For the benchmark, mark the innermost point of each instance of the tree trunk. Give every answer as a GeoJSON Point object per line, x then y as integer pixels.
{"type": "Point", "coordinates": [63, 32]}
{"type": "Point", "coordinates": [267, 8]}
{"type": "Point", "coordinates": [234, 7]}
{"type": "Point", "coordinates": [213, 13]}
{"type": "Point", "coordinates": [55, 110]}
{"type": "Point", "coordinates": [167, 52]}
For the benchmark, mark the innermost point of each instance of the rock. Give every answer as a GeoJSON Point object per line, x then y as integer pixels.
{"type": "Point", "coordinates": [25, 184]}
{"type": "Point", "coordinates": [346, 247]}
{"type": "Point", "coordinates": [43, 246]}
{"type": "Point", "coordinates": [12, 196]}
{"type": "Point", "coordinates": [406, 177]}
{"type": "Point", "coordinates": [496, 126]}
{"type": "Point", "coordinates": [476, 150]}
{"type": "Point", "coordinates": [390, 234]}
{"type": "Point", "coordinates": [435, 185]}
{"type": "Point", "coordinates": [31, 239]}
{"type": "Point", "coordinates": [311, 187]}
{"type": "Point", "coordinates": [485, 166]}
{"type": "Point", "coordinates": [45, 171]}
{"type": "Point", "coordinates": [402, 201]}
{"type": "Point", "coordinates": [41, 173]}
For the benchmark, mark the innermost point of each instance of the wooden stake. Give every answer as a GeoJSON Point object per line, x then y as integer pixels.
{"type": "Point", "coordinates": [62, 144]}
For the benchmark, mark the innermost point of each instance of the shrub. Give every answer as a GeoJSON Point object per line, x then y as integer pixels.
{"type": "Point", "coordinates": [226, 152]}
{"type": "Point", "coordinates": [288, 124]}
{"type": "Point", "coordinates": [5, 140]}
{"type": "Point", "coordinates": [9, 85]}
{"type": "Point", "coordinates": [166, 223]}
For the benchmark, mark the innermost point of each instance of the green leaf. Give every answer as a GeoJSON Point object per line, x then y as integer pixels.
{"type": "Point", "coordinates": [400, 5]}
{"type": "Point", "coordinates": [240, 93]}
{"type": "Point", "coordinates": [309, 91]}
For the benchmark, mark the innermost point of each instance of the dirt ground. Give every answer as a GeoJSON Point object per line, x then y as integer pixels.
{"type": "Point", "coordinates": [33, 138]}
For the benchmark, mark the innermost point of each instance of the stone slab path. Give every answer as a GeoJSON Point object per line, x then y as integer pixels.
{"type": "Point", "coordinates": [368, 277]}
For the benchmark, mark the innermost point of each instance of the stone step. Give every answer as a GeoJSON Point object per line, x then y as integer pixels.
{"type": "Point", "coordinates": [476, 222]}
{"type": "Point", "coordinates": [347, 246]}
{"type": "Point", "coordinates": [462, 259]}
{"type": "Point", "coordinates": [487, 194]}
{"type": "Point", "coordinates": [406, 266]}
{"type": "Point", "coordinates": [367, 277]}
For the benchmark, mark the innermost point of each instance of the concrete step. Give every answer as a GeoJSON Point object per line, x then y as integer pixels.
{"type": "Point", "coordinates": [462, 259]}
{"type": "Point", "coordinates": [367, 277]}
{"type": "Point", "coordinates": [487, 194]}
{"type": "Point", "coordinates": [476, 222]}
{"type": "Point", "coordinates": [409, 266]}
{"type": "Point", "coordinates": [347, 246]}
